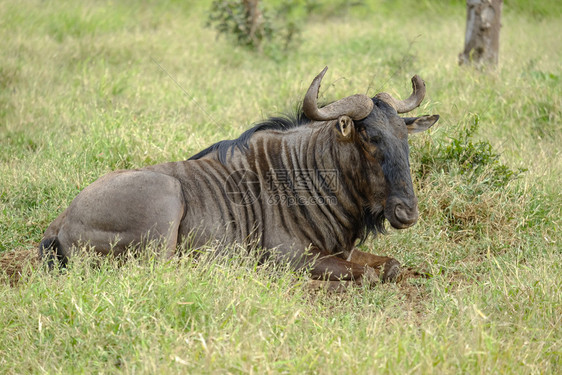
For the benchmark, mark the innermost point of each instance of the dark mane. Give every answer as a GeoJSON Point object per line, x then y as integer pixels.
{"type": "Point", "coordinates": [282, 123]}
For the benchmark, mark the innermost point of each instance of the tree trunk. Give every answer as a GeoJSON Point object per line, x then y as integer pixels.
{"type": "Point", "coordinates": [482, 38]}
{"type": "Point", "coordinates": [254, 21]}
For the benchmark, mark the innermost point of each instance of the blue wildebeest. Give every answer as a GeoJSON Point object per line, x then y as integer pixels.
{"type": "Point", "coordinates": [306, 188]}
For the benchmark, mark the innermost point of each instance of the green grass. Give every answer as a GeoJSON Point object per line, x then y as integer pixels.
{"type": "Point", "coordinates": [81, 95]}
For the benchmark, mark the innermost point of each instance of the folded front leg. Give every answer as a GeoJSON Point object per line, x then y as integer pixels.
{"type": "Point", "coordinates": [329, 267]}
{"type": "Point", "coordinates": [390, 267]}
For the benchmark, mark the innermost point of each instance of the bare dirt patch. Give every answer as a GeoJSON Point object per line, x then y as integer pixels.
{"type": "Point", "coordinates": [16, 263]}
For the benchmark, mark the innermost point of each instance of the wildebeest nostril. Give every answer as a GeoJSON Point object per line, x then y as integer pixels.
{"type": "Point", "coordinates": [405, 214]}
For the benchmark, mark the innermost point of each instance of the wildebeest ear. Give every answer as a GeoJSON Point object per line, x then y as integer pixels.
{"type": "Point", "coordinates": [419, 124]}
{"type": "Point", "coordinates": [345, 125]}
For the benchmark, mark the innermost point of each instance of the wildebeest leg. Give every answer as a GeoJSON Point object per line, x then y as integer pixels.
{"type": "Point", "coordinates": [330, 267]}
{"type": "Point", "coordinates": [390, 266]}
{"type": "Point", "coordinates": [123, 209]}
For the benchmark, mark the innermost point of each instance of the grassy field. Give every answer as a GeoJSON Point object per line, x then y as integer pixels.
{"type": "Point", "coordinates": [85, 88]}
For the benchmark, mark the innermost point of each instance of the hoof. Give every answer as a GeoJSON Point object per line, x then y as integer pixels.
{"type": "Point", "coordinates": [391, 271]}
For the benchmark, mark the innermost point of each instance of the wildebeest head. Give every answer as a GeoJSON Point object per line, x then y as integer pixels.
{"type": "Point", "coordinates": [380, 136]}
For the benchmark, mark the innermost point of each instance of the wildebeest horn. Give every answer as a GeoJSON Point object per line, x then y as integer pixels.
{"type": "Point", "coordinates": [356, 106]}
{"type": "Point", "coordinates": [403, 106]}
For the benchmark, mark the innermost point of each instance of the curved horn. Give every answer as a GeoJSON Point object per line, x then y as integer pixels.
{"type": "Point", "coordinates": [356, 106]}
{"type": "Point", "coordinates": [403, 106]}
